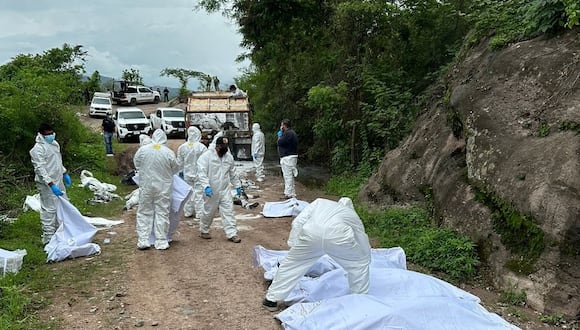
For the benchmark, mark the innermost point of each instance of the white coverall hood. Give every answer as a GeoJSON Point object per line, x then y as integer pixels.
{"type": "Point", "coordinates": [193, 134]}
{"type": "Point", "coordinates": [144, 140]}
{"type": "Point", "coordinates": [159, 137]}
{"type": "Point", "coordinates": [255, 127]}
{"type": "Point", "coordinates": [345, 201]}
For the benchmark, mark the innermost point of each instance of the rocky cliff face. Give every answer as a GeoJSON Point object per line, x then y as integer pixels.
{"type": "Point", "coordinates": [498, 154]}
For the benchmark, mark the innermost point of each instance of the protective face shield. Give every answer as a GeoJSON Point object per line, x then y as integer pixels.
{"type": "Point", "coordinates": [50, 137]}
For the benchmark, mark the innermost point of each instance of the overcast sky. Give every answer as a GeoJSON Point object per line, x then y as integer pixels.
{"type": "Point", "coordinates": [146, 35]}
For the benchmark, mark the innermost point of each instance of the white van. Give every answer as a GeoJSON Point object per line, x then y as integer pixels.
{"type": "Point", "coordinates": [101, 105]}
{"type": "Point", "coordinates": [130, 123]}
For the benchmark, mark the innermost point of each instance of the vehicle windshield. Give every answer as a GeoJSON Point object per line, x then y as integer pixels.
{"type": "Point", "coordinates": [101, 100]}
{"type": "Point", "coordinates": [131, 115]}
{"type": "Point", "coordinates": [173, 113]}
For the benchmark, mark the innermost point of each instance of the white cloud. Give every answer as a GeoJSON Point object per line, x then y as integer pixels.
{"type": "Point", "coordinates": [149, 36]}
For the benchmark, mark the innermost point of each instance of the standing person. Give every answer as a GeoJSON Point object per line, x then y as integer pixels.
{"type": "Point", "coordinates": [323, 227]}
{"type": "Point", "coordinates": [216, 170]}
{"type": "Point", "coordinates": [258, 151]}
{"type": "Point", "coordinates": [187, 155]}
{"type": "Point", "coordinates": [51, 178]}
{"type": "Point", "coordinates": [165, 95]}
{"type": "Point", "coordinates": [156, 165]}
{"type": "Point", "coordinates": [288, 151]}
{"type": "Point", "coordinates": [108, 127]}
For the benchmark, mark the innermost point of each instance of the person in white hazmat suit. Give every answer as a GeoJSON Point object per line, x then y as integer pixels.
{"type": "Point", "coordinates": [216, 170]}
{"type": "Point", "coordinates": [323, 227]}
{"type": "Point", "coordinates": [258, 151]}
{"type": "Point", "coordinates": [187, 155]}
{"type": "Point", "coordinates": [156, 165]}
{"type": "Point", "coordinates": [50, 177]}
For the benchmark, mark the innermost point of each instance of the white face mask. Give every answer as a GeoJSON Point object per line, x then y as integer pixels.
{"type": "Point", "coordinates": [49, 138]}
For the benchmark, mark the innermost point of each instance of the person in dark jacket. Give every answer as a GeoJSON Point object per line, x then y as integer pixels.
{"type": "Point", "coordinates": [288, 152]}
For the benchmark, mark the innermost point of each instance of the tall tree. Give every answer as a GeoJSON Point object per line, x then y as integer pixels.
{"type": "Point", "coordinates": [183, 75]}
{"type": "Point", "coordinates": [133, 76]}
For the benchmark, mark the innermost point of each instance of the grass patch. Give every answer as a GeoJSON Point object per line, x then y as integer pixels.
{"type": "Point", "coordinates": [437, 249]}
{"type": "Point", "coordinates": [23, 294]}
{"type": "Point", "coordinates": [345, 185]}
{"type": "Point", "coordinates": [513, 296]}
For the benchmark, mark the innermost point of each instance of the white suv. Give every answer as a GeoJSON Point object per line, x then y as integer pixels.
{"type": "Point", "coordinates": [130, 122]}
{"type": "Point", "coordinates": [101, 105]}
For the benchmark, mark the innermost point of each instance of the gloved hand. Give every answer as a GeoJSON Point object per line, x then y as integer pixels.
{"type": "Point", "coordinates": [255, 155]}
{"type": "Point", "coordinates": [279, 133]}
{"type": "Point", "coordinates": [67, 180]}
{"type": "Point", "coordinates": [181, 175]}
{"type": "Point", "coordinates": [239, 191]}
{"type": "Point", "coordinates": [208, 192]}
{"type": "Point", "coordinates": [56, 190]}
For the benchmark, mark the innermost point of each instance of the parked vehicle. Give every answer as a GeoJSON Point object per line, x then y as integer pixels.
{"type": "Point", "coordinates": [130, 123]}
{"type": "Point", "coordinates": [101, 105]}
{"type": "Point", "coordinates": [123, 93]}
{"type": "Point", "coordinates": [215, 111]}
{"type": "Point", "coordinates": [170, 120]}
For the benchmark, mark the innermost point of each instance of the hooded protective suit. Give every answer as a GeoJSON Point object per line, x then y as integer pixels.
{"type": "Point", "coordinates": [187, 156]}
{"type": "Point", "coordinates": [258, 151]}
{"type": "Point", "coordinates": [47, 163]}
{"type": "Point", "coordinates": [156, 165]}
{"type": "Point", "coordinates": [324, 227]}
{"type": "Point", "coordinates": [218, 173]}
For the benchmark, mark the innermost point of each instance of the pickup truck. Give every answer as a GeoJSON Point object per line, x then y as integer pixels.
{"type": "Point", "coordinates": [129, 94]}
{"type": "Point", "coordinates": [170, 120]}
{"type": "Point", "coordinates": [130, 123]}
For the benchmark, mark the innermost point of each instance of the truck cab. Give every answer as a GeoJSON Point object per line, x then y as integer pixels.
{"type": "Point", "coordinates": [170, 120]}
{"type": "Point", "coordinates": [124, 93]}
{"type": "Point", "coordinates": [220, 111]}
{"type": "Point", "coordinates": [130, 123]}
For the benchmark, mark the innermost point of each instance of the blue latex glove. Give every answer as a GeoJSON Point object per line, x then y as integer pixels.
{"type": "Point", "coordinates": [56, 190]}
{"type": "Point", "coordinates": [67, 180]}
{"type": "Point", "coordinates": [280, 133]}
{"type": "Point", "coordinates": [255, 156]}
{"type": "Point", "coordinates": [208, 191]}
{"type": "Point", "coordinates": [181, 175]}
{"type": "Point", "coordinates": [239, 191]}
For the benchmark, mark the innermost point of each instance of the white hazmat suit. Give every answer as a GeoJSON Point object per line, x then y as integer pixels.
{"type": "Point", "coordinates": [48, 167]}
{"type": "Point", "coordinates": [217, 173]}
{"type": "Point", "coordinates": [187, 155]}
{"type": "Point", "coordinates": [156, 165]}
{"type": "Point", "coordinates": [258, 151]}
{"type": "Point", "coordinates": [324, 227]}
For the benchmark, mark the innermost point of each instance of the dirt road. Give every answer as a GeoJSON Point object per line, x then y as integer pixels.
{"type": "Point", "coordinates": [196, 283]}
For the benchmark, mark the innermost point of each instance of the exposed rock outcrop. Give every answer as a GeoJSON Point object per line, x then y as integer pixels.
{"type": "Point", "coordinates": [499, 152]}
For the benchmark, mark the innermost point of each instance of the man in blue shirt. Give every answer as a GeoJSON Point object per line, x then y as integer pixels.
{"type": "Point", "coordinates": [288, 151]}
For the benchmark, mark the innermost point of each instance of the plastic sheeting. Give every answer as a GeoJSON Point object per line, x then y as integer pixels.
{"type": "Point", "coordinates": [103, 192]}
{"type": "Point", "coordinates": [288, 208]}
{"type": "Point", "coordinates": [73, 237]}
{"type": "Point", "coordinates": [397, 299]}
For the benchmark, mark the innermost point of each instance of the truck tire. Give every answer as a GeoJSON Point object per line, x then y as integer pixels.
{"type": "Point", "coordinates": [156, 100]}
{"type": "Point", "coordinates": [119, 139]}
{"type": "Point", "coordinates": [133, 101]}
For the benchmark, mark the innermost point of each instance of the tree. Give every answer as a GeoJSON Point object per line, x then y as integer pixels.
{"type": "Point", "coordinates": [183, 75]}
{"type": "Point", "coordinates": [94, 83]}
{"type": "Point", "coordinates": [132, 76]}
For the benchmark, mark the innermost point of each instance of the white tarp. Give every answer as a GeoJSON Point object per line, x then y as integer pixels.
{"type": "Point", "coordinates": [74, 234]}
{"type": "Point", "coordinates": [397, 298]}
{"type": "Point", "coordinates": [288, 208]}
{"type": "Point", "coordinates": [33, 203]}
{"type": "Point", "coordinates": [103, 192]}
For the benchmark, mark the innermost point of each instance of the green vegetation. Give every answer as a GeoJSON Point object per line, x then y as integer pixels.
{"type": "Point", "coordinates": [426, 245]}
{"type": "Point", "coordinates": [512, 296]}
{"type": "Point", "coordinates": [553, 319]}
{"type": "Point", "coordinates": [570, 126]}
{"type": "Point", "coordinates": [519, 233]}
